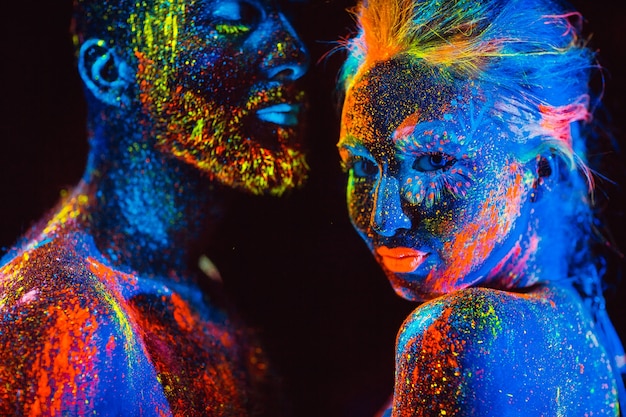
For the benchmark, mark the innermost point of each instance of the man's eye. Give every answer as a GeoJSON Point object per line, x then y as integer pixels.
{"type": "Point", "coordinates": [433, 162]}
{"type": "Point", "coordinates": [236, 17]}
{"type": "Point", "coordinates": [364, 168]}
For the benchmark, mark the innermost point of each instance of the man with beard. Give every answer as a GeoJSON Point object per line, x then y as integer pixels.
{"type": "Point", "coordinates": [101, 305]}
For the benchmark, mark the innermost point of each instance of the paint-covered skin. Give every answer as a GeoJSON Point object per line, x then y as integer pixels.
{"type": "Point", "coordinates": [435, 188]}
{"type": "Point", "coordinates": [446, 191]}
{"type": "Point", "coordinates": [221, 94]}
{"type": "Point", "coordinates": [210, 82]}
{"type": "Point", "coordinates": [484, 352]}
{"type": "Point", "coordinates": [103, 306]}
{"type": "Point", "coordinates": [85, 337]}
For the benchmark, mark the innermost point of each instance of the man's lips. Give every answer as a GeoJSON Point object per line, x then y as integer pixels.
{"type": "Point", "coordinates": [401, 259]}
{"type": "Point", "coordinates": [283, 114]}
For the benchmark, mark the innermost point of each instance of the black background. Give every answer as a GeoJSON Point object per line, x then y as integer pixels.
{"type": "Point", "coordinates": [294, 265]}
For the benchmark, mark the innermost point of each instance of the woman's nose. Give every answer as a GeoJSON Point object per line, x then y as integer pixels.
{"type": "Point", "coordinates": [286, 58]}
{"type": "Point", "coordinates": [387, 215]}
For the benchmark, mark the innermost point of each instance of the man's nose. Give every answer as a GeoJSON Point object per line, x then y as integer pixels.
{"type": "Point", "coordinates": [286, 58]}
{"type": "Point", "coordinates": [387, 216]}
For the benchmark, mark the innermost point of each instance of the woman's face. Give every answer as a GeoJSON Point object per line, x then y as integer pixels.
{"type": "Point", "coordinates": [435, 187]}
{"type": "Point", "coordinates": [217, 80]}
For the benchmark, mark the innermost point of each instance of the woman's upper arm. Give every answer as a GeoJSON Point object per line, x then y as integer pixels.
{"type": "Point", "coordinates": [486, 352]}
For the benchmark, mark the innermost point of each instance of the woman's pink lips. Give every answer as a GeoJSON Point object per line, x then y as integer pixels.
{"type": "Point", "coordinates": [401, 259]}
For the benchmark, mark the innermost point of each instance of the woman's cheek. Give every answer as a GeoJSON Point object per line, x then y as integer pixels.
{"type": "Point", "coordinates": [488, 220]}
{"type": "Point", "coordinates": [447, 217]}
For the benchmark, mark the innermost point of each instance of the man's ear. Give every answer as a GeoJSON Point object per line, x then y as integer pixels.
{"type": "Point", "coordinates": [105, 73]}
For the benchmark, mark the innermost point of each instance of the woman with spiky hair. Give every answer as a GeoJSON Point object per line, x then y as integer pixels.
{"type": "Point", "coordinates": [464, 133]}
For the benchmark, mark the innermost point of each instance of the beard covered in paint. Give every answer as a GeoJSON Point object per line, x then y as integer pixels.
{"type": "Point", "coordinates": [435, 187]}
{"type": "Point", "coordinates": [217, 87]}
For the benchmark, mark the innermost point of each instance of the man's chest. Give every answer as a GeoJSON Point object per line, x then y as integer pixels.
{"type": "Point", "coordinates": [205, 365]}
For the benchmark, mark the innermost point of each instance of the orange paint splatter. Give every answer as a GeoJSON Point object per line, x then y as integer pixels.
{"type": "Point", "coordinates": [182, 314]}
{"type": "Point", "coordinates": [476, 241]}
{"type": "Point", "coordinates": [407, 126]}
{"type": "Point", "coordinates": [67, 356]}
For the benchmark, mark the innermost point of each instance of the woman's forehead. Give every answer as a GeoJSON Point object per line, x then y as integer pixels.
{"type": "Point", "coordinates": [395, 92]}
{"type": "Point", "coordinates": [402, 80]}
{"type": "Point", "coordinates": [400, 106]}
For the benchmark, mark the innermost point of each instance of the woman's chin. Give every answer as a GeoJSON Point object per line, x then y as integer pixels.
{"type": "Point", "coordinates": [411, 286]}
{"type": "Point", "coordinates": [425, 284]}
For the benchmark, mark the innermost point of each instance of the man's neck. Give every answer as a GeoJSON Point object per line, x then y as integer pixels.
{"type": "Point", "coordinates": [150, 213]}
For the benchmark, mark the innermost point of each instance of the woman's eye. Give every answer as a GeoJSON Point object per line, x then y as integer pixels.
{"type": "Point", "coordinates": [433, 162]}
{"type": "Point", "coordinates": [236, 17]}
{"type": "Point", "coordinates": [364, 168]}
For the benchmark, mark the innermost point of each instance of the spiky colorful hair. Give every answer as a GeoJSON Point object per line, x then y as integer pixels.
{"type": "Point", "coordinates": [530, 49]}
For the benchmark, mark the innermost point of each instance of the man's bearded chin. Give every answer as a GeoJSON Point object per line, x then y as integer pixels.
{"type": "Point", "coordinates": [209, 137]}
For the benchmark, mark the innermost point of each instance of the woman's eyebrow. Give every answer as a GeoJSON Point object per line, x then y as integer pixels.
{"type": "Point", "coordinates": [354, 147]}
{"type": "Point", "coordinates": [406, 127]}
{"type": "Point", "coordinates": [349, 142]}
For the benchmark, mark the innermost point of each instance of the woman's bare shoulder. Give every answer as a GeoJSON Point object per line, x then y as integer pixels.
{"type": "Point", "coordinates": [488, 352]}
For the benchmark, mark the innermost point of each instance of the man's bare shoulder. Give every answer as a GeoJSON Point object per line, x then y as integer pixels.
{"type": "Point", "coordinates": [52, 276]}
{"type": "Point", "coordinates": [70, 341]}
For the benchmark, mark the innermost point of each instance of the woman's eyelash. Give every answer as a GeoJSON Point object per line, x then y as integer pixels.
{"type": "Point", "coordinates": [434, 174]}
{"type": "Point", "coordinates": [433, 161]}
{"type": "Point", "coordinates": [361, 166]}
{"type": "Point", "coordinates": [429, 189]}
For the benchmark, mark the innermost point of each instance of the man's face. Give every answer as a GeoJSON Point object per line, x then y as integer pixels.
{"type": "Point", "coordinates": [217, 88]}
{"type": "Point", "coordinates": [436, 188]}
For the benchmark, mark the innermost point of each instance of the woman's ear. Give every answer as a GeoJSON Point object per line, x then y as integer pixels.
{"type": "Point", "coordinates": [546, 174]}
{"type": "Point", "coordinates": [105, 73]}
